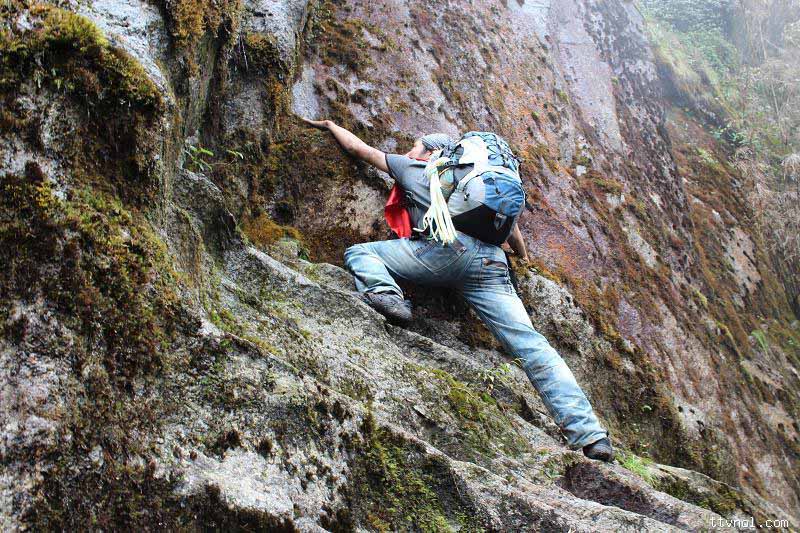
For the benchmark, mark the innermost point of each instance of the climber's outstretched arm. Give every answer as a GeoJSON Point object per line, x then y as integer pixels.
{"type": "Point", "coordinates": [352, 144]}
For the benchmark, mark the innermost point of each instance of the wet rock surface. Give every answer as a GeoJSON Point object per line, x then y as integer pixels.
{"type": "Point", "coordinates": [176, 354]}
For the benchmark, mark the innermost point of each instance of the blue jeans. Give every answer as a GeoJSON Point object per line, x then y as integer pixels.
{"type": "Point", "coordinates": [479, 272]}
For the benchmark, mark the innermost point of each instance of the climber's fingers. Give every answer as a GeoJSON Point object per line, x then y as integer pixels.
{"type": "Point", "coordinates": [319, 124]}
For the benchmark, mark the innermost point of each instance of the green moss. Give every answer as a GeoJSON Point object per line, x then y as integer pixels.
{"type": "Point", "coordinates": [707, 159]}
{"type": "Point", "coordinates": [582, 160]}
{"type": "Point", "coordinates": [556, 466]}
{"type": "Point", "coordinates": [121, 291]}
{"type": "Point", "coordinates": [113, 135]}
{"type": "Point", "coordinates": [484, 427]}
{"type": "Point", "coordinates": [189, 20]}
{"type": "Point", "coordinates": [263, 231]}
{"type": "Point", "coordinates": [224, 320]}
{"type": "Point", "coordinates": [401, 488]}
{"type": "Point", "coordinates": [536, 266]}
{"type": "Point", "coordinates": [306, 163]}
{"type": "Point", "coordinates": [639, 466]}
{"type": "Point", "coordinates": [101, 272]}
{"type": "Point", "coordinates": [603, 183]}
{"type": "Point", "coordinates": [119, 496]}
{"type": "Point", "coordinates": [68, 52]}
{"type": "Point", "coordinates": [724, 500]}
{"type": "Point", "coordinates": [476, 335]}
{"type": "Point", "coordinates": [261, 53]}
{"type": "Point", "coordinates": [533, 155]}
{"type": "Point", "coordinates": [356, 388]}
{"type": "Point", "coordinates": [700, 298]}
{"type": "Point", "coordinates": [637, 207]}
{"type": "Point", "coordinates": [725, 333]}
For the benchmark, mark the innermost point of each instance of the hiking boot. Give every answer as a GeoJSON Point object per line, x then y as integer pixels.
{"type": "Point", "coordinates": [389, 305]}
{"type": "Point", "coordinates": [599, 451]}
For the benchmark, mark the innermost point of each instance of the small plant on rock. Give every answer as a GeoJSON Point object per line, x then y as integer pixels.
{"type": "Point", "coordinates": [638, 465]}
{"type": "Point", "coordinates": [494, 375]}
{"type": "Point", "coordinates": [196, 156]}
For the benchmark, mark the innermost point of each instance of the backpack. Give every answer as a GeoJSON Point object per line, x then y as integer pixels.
{"type": "Point", "coordinates": [475, 188]}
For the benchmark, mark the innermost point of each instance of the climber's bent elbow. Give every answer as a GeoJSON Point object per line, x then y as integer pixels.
{"type": "Point", "coordinates": [373, 156]}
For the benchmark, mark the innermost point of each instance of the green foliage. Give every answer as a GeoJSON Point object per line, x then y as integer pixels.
{"type": "Point", "coordinates": [708, 159]}
{"type": "Point", "coordinates": [761, 339]}
{"type": "Point", "coordinates": [689, 16]}
{"type": "Point", "coordinates": [700, 26]}
{"type": "Point", "coordinates": [201, 159]}
{"type": "Point", "coordinates": [197, 155]}
{"type": "Point", "coordinates": [498, 374]}
{"type": "Point", "coordinates": [746, 92]}
{"type": "Point", "coordinates": [638, 465]}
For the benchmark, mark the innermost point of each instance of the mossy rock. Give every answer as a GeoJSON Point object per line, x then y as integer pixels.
{"type": "Point", "coordinates": [483, 429]}
{"type": "Point", "coordinates": [71, 54]}
{"type": "Point", "coordinates": [402, 488]}
{"type": "Point", "coordinates": [264, 232]}
{"type": "Point", "coordinates": [98, 263]}
{"type": "Point", "coordinates": [105, 277]}
{"type": "Point", "coordinates": [63, 57]}
{"type": "Point", "coordinates": [338, 39]}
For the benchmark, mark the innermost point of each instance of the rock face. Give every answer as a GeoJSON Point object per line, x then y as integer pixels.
{"type": "Point", "coordinates": [180, 350]}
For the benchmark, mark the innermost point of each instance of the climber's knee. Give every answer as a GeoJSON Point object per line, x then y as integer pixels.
{"type": "Point", "coordinates": [540, 358]}
{"type": "Point", "coordinates": [351, 253]}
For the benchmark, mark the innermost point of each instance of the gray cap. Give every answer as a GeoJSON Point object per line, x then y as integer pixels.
{"type": "Point", "coordinates": [435, 141]}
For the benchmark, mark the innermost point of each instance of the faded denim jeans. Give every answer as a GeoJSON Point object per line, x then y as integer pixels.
{"type": "Point", "coordinates": [479, 272]}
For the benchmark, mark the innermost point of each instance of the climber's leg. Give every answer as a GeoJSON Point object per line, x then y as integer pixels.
{"type": "Point", "coordinates": [377, 265]}
{"type": "Point", "coordinates": [488, 289]}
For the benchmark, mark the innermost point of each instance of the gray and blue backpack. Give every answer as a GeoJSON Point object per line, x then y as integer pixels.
{"type": "Point", "coordinates": [475, 188]}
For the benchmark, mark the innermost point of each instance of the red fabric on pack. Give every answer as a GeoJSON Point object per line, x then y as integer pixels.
{"type": "Point", "coordinates": [395, 212]}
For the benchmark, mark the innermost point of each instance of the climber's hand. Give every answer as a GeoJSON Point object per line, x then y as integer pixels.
{"type": "Point", "coordinates": [319, 124]}
{"type": "Point", "coordinates": [351, 143]}
{"type": "Point", "coordinates": [522, 261]}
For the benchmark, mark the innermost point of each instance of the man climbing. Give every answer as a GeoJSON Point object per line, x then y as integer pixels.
{"type": "Point", "coordinates": [477, 269]}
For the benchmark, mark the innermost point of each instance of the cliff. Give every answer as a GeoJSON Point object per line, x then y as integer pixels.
{"type": "Point", "coordinates": [180, 349]}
